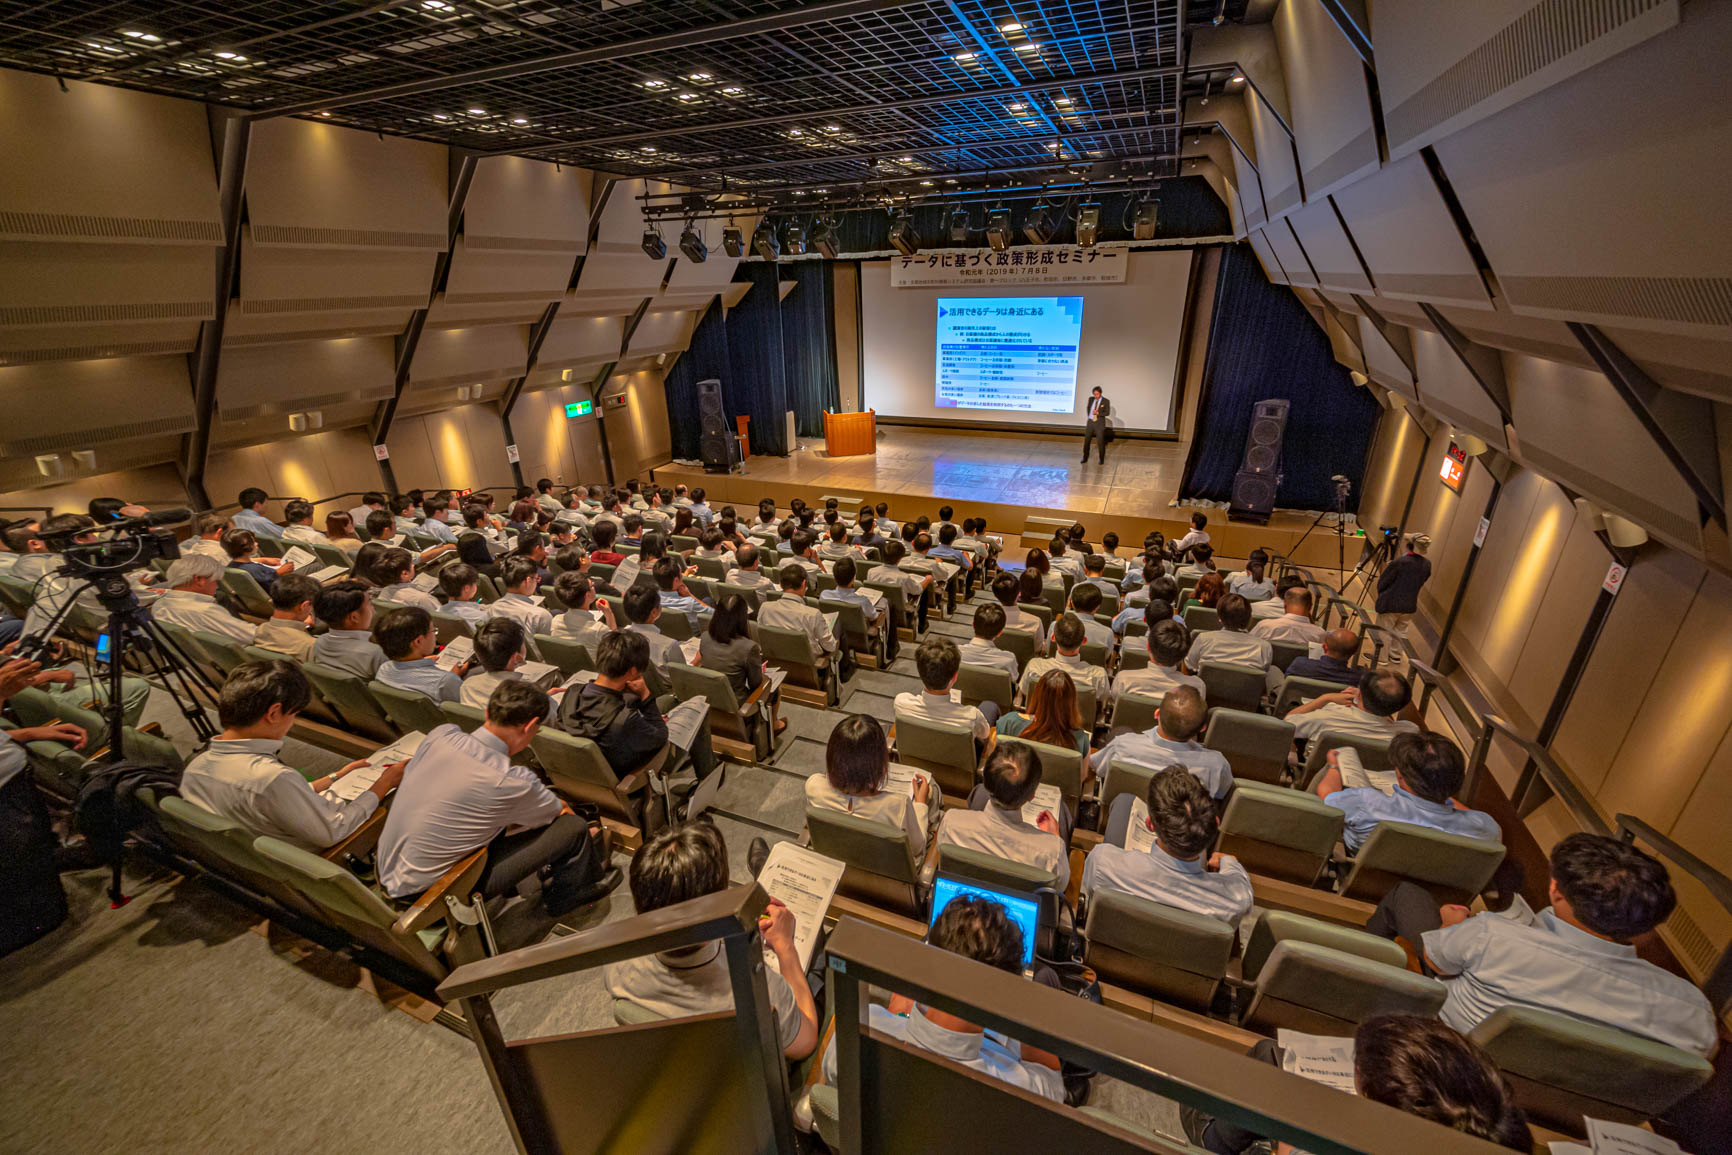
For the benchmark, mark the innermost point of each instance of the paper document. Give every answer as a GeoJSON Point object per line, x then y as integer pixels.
{"type": "Point", "coordinates": [944, 569]}
{"type": "Point", "coordinates": [1354, 774]}
{"type": "Point", "coordinates": [300, 558]}
{"type": "Point", "coordinates": [357, 782]}
{"type": "Point", "coordinates": [330, 573]}
{"type": "Point", "coordinates": [1321, 1058]}
{"type": "Point", "coordinates": [1138, 836]}
{"type": "Point", "coordinates": [830, 621]}
{"type": "Point", "coordinates": [955, 696]}
{"type": "Point", "coordinates": [901, 779]}
{"type": "Point", "coordinates": [459, 650]}
{"type": "Point", "coordinates": [1622, 1139]}
{"type": "Point", "coordinates": [876, 597]}
{"type": "Point", "coordinates": [538, 599]}
{"type": "Point", "coordinates": [689, 648]}
{"type": "Point", "coordinates": [581, 678]}
{"type": "Point", "coordinates": [396, 541]}
{"type": "Point", "coordinates": [626, 573]}
{"type": "Point", "coordinates": [1047, 798]}
{"type": "Point", "coordinates": [777, 675]}
{"type": "Point", "coordinates": [805, 882]}
{"type": "Point", "coordinates": [684, 720]}
{"type": "Point", "coordinates": [425, 582]}
{"type": "Point", "coordinates": [539, 673]}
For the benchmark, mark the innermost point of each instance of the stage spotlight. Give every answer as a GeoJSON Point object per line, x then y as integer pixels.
{"type": "Point", "coordinates": [764, 241]}
{"type": "Point", "coordinates": [903, 238]}
{"type": "Point", "coordinates": [1038, 228]}
{"type": "Point", "coordinates": [1088, 224]}
{"type": "Point", "coordinates": [794, 239]}
{"type": "Point", "coordinates": [653, 246]}
{"type": "Point", "coordinates": [959, 226]}
{"type": "Point", "coordinates": [824, 238]}
{"type": "Point", "coordinates": [1143, 222]}
{"type": "Point", "coordinates": [733, 241]}
{"type": "Point", "coordinates": [998, 229]}
{"type": "Point", "coordinates": [692, 245]}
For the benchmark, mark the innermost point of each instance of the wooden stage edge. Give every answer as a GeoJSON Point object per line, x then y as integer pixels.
{"type": "Point", "coordinates": [811, 475]}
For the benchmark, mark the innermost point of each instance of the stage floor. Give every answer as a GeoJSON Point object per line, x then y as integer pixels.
{"type": "Point", "coordinates": [1005, 478]}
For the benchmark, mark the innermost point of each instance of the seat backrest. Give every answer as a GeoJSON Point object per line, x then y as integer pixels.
{"type": "Point", "coordinates": [408, 710]}
{"type": "Point", "coordinates": [599, 572]}
{"type": "Point", "coordinates": [750, 593]}
{"type": "Point", "coordinates": [1453, 867]}
{"type": "Point", "coordinates": [1281, 833]}
{"type": "Point", "coordinates": [946, 749]}
{"type": "Point", "coordinates": [1024, 645]}
{"type": "Point", "coordinates": [332, 555]}
{"type": "Point", "coordinates": [224, 652]}
{"type": "Point", "coordinates": [247, 592]}
{"type": "Point", "coordinates": [683, 543]}
{"type": "Point", "coordinates": [1256, 745]}
{"type": "Point", "coordinates": [1174, 954]}
{"type": "Point", "coordinates": [1278, 926]}
{"type": "Point", "coordinates": [16, 595]}
{"type": "Point", "coordinates": [225, 846]}
{"type": "Point", "coordinates": [568, 655]}
{"type": "Point", "coordinates": [1134, 712]}
{"type": "Point", "coordinates": [1296, 690]}
{"type": "Point", "coordinates": [986, 684]}
{"type": "Point", "coordinates": [467, 718]}
{"type": "Point", "coordinates": [711, 567]}
{"type": "Point", "coordinates": [577, 769]}
{"type": "Point", "coordinates": [1057, 596]}
{"type": "Point", "coordinates": [1234, 686]}
{"type": "Point", "coordinates": [851, 624]}
{"type": "Point", "coordinates": [895, 595]}
{"type": "Point", "coordinates": [991, 870]}
{"type": "Point", "coordinates": [1563, 1068]}
{"type": "Point", "coordinates": [793, 647]}
{"type": "Point", "coordinates": [447, 628]}
{"type": "Point", "coordinates": [676, 625]}
{"type": "Point", "coordinates": [1095, 654]}
{"type": "Point", "coordinates": [139, 746]}
{"type": "Point", "coordinates": [1187, 583]}
{"type": "Point", "coordinates": [1373, 753]}
{"type": "Point", "coordinates": [1200, 618]}
{"type": "Point", "coordinates": [1123, 778]}
{"type": "Point", "coordinates": [1283, 654]}
{"type": "Point", "coordinates": [880, 861]}
{"type": "Point", "coordinates": [1305, 986]}
{"type": "Point", "coordinates": [1061, 766]}
{"type": "Point", "coordinates": [689, 681]}
{"type": "Point", "coordinates": [348, 694]}
{"type": "Point", "coordinates": [1040, 610]}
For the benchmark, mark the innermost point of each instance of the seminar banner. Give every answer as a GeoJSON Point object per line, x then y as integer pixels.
{"type": "Point", "coordinates": [1024, 265]}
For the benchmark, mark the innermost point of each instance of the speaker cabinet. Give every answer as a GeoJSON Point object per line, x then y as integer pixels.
{"type": "Point", "coordinates": [716, 445]}
{"type": "Point", "coordinates": [1259, 475]}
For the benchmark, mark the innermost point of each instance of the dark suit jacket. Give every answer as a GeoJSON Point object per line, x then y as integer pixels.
{"type": "Point", "coordinates": [1106, 409]}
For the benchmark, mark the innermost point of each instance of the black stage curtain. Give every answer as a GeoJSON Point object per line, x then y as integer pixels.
{"type": "Point", "coordinates": [1264, 344]}
{"type": "Point", "coordinates": [758, 384]}
{"type": "Point", "coordinates": [706, 357]}
{"type": "Point", "coordinates": [809, 345]}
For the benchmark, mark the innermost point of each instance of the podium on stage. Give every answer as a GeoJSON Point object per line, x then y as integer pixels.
{"type": "Point", "coordinates": [850, 434]}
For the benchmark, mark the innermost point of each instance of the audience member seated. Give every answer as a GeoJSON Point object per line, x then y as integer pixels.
{"type": "Point", "coordinates": [872, 605]}
{"type": "Point", "coordinates": [461, 585]}
{"type": "Point", "coordinates": [1253, 583]}
{"type": "Point", "coordinates": [190, 600]}
{"type": "Point", "coordinates": [1294, 624]}
{"type": "Point", "coordinates": [1276, 606]}
{"type": "Point", "coordinates": [1085, 602]}
{"type": "Point", "coordinates": [1408, 1062]}
{"type": "Point", "coordinates": [240, 777]}
{"type": "Point", "coordinates": [1202, 563]}
{"type": "Point", "coordinates": [501, 646]}
{"type": "Point", "coordinates": [1369, 710]}
{"type": "Point", "coordinates": [1063, 561]}
{"type": "Point", "coordinates": [1208, 592]}
{"type": "Point", "coordinates": [1005, 587]}
{"type": "Point", "coordinates": [252, 514]}
{"type": "Point", "coordinates": [938, 661]}
{"type": "Point", "coordinates": [790, 612]}
{"type": "Point", "coordinates": [856, 766]}
{"type": "Point", "coordinates": [982, 649]}
{"type": "Point", "coordinates": [1232, 643]}
{"type": "Point", "coordinates": [1067, 639]}
{"type": "Point", "coordinates": [460, 792]}
{"type": "Point", "coordinates": [207, 539]}
{"type": "Point", "coordinates": [347, 643]}
{"type": "Point", "coordinates": [406, 636]}
{"type": "Point", "coordinates": [746, 571]}
{"type": "Point", "coordinates": [675, 597]}
{"type": "Point", "coordinates": [992, 823]}
{"type": "Point", "coordinates": [298, 525]}
{"type": "Point", "coordinates": [1178, 871]}
{"type": "Point", "coordinates": [643, 608]}
{"type": "Point", "coordinates": [678, 865]}
{"type": "Point", "coordinates": [579, 623]}
{"type": "Point", "coordinates": [727, 648]}
{"type": "Point", "coordinates": [603, 533]}
{"type": "Point", "coordinates": [915, 586]}
{"type": "Point", "coordinates": [978, 929]}
{"type": "Point", "coordinates": [371, 503]}
{"type": "Point", "coordinates": [1168, 642]}
{"type": "Point", "coordinates": [1340, 647]}
{"type": "Point", "coordinates": [1576, 958]}
{"type": "Point", "coordinates": [340, 532]}
{"type": "Point", "coordinates": [521, 577]}
{"type": "Point", "coordinates": [243, 550]}
{"type": "Point", "coordinates": [1095, 572]}
{"type": "Point", "coordinates": [1197, 536]}
{"type": "Point", "coordinates": [1051, 715]}
{"type": "Point", "coordinates": [1425, 772]}
{"type": "Point", "coordinates": [620, 714]}
{"type": "Point", "coordinates": [1172, 742]}
{"type": "Point", "coordinates": [393, 572]}
{"type": "Point", "coordinates": [286, 631]}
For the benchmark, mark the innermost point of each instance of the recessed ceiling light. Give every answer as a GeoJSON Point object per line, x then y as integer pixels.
{"type": "Point", "coordinates": [732, 90]}
{"type": "Point", "coordinates": [147, 37]}
{"type": "Point", "coordinates": [1010, 28]}
{"type": "Point", "coordinates": [325, 114]}
{"type": "Point", "coordinates": [520, 120]}
{"type": "Point", "coordinates": [1238, 80]}
{"type": "Point", "coordinates": [796, 132]}
{"type": "Point", "coordinates": [1028, 48]}
{"type": "Point", "coordinates": [799, 192]}
{"type": "Point", "coordinates": [963, 57]}
{"type": "Point", "coordinates": [905, 159]}
{"type": "Point", "coordinates": [441, 116]}
{"type": "Point", "coordinates": [435, 5]}
{"type": "Point", "coordinates": [648, 148]}
{"type": "Point", "coordinates": [820, 191]}
{"type": "Point", "coordinates": [1017, 107]}
{"type": "Point", "coordinates": [950, 180]}
{"type": "Point", "coordinates": [699, 76]}
{"type": "Point", "coordinates": [225, 55]}
{"type": "Point", "coordinates": [655, 84]}
{"type": "Point", "coordinates": [832, 128]}
{"type": "Point", "coordinates": [1061, 100]}
{"type": "Point", "coordinates": [925, 184]}
{"type": "Point", "coordinates": [477, 112]}
{"type": "Point", "coordinates": [687, 96]}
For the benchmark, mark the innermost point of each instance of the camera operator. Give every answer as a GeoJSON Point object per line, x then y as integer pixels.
{"type": "Point", "coordinates": [1398, 588]}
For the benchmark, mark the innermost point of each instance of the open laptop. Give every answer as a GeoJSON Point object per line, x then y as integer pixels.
{"type": "Point", "coordinates": [1022, 909]}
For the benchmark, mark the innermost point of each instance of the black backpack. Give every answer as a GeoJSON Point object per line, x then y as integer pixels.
{"type": "Point", "coordinates": [109, 809]}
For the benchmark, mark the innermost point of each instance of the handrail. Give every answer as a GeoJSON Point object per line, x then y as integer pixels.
{"type": "Point", "coordinates": [1255, 1095]}
{"type": "Point", "coordinates": [1718, 985]}
{"type": "Point", "coordinates": [1434, 682]}
{"type": "Point", "coordinates": [1553, 775]}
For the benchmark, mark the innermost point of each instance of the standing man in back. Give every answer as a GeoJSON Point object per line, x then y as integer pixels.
{"type": "Point", "coordinates": [1099, 409]}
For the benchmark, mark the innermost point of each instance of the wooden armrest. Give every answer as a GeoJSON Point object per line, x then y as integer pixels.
{"type": "Point", "coordinates": [154, 729]}
{"type": "Point", "coordinates": [459, 882]}
{"type": "Point", "coordinates": [755, 697]}
{"type": "Point", "coordinates": [1086, 840]}
{"type": "Point", "coordinates": [634, 781]}
{"type": "Point", "coordinates": [361, 840]}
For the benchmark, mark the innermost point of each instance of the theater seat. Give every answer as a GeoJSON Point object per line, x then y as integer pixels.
{"type": "Point", "coordinates": [1305, 986]}
{"type": "Point", "coordinates": [249, 593]}
{"type": "Point", "coordinates": [1256, 745]}
{"type": "Point", "coordinates": [1373, 754]}
{"type": "Point", "coordinates": [409, 710]}
{"type": "Point", "coordinates": [1061, 766]}
{"type": "Point", "coordinates": [729, 717]}
{"type": "Point", "coordinates": [1296, 690]}
{"type": "Point", "coordinates": [577, 769]}
{"type": "Point", "coordinates": [1284, 654]}
{"type": "Point", "coordinates": [1452, 867]}
{"type": "Point", "coordinates": [1200, 619]}
{"type": "Point", "coordinates": [947, 750]}
{"type": "Point", "coordinates": [347, 694]}
{"type": "Point", "coordinates": [1563, 1068]}
{"type": "Point", "coordinates": [1174, 955]}
{"type": "Point", "coordinates": [986, 684]}
{"type": "Point", "coordinates": [1135, 712]}
{"type": "Point", "coordinates": [1234, 686]}
{"type": "Point", "coordinates": [1280, 833]}
{"type": "Point", "coordinates": [1024, 645]}
{"type": "Point", "coordinates": [1123, 778]}
{"type": "Point", "coordinates": [792, 650]}
{"type": "Point", "coordinates": [568, 655]}
{"type": "Point", "coordinates": [466, 718]}
{"type": "Point", "coordinates": [225, 848]}
{"type": "Point", "coordinates": [1007, 874]}
{"type": "Point", "coordinates": [881, 868]}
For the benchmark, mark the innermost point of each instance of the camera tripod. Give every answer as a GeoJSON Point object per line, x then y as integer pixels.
{"type": "Point", "coordinates": [1339, 512]}
{"type": "Point", "coordinates": [1370, 567]}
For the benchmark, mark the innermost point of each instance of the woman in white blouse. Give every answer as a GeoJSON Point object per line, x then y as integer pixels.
{"type": "Point", "coordinates": [855, 780]}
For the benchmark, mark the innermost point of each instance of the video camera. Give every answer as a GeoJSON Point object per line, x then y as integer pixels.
{"type": "Point", "coordinates": [120, 546]}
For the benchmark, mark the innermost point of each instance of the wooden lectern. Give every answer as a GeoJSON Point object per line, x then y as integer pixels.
{"type": "Point", "coordinates": [850, 434]}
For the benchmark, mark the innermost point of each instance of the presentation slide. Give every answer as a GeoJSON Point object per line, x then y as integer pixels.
{"type": "Point", "coordinates": [1010, 353]}
{"type": "Point", "coordinates": [1123, 337]}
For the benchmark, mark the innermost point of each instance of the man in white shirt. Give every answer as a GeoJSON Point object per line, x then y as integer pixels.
{"type": "Point", "coordinates": [190, 601]}
{"type": "Point", "coordinates": [437, 524]}
{"type": "Point", "coordinates": [1233, 643]}
{"type": "Point", "coordinates": [982, 649]}
{"type": "Point", "coordinates": [1004, 588]}
{"type": "Point", "coordinates": [1175, 871]}
{"type": "Point", "coordinates": [1167, 642]}
{"type": "Point", "coordinates": [1067, 639]}
{"type": "Point", "coordinates": [406, 635]}
{"type": "Point", "coordinates": [521, 577]}
{"type": "Point", "coordinates": [1294, 624]}
{"type": "Point", "coordinates": [643, 608]}
{"type": "Point", "coordinates": [914, 586]}
{"type": "Point", "coordinates": [1198, 535]}
{"type": "Point", "coordinates": [579, 623]}
{"type": "Point", "coordinates": [680, 864]}
{"type": "Point", "coordinates": [835, 545]}
{"type": "Point", "coordinates": [746, 571]}
{"type": "Point", "coordinates": [298, 524]}
{"type": "Point", "coordinates": [370, 503]}
{"type": "Point", "coordinates": [938, 661]}
{"type": "Point", "coordinates": [460, 792]}
{"type": "Point", "coordinates": [1368, 711]}
{"type": "Point", "coordinates": [239, 776]}
{"type": "Point", "coordinates": [1201, 564]}
{"type": "Point", "coordinates": [209, 539]}
{"type": "Point", "coordinates": [347, 643]}
{"type": "Point", "coordinates": [1576, 958]}
{"type": "Point", "coordinates": [1063, 561]}
{"type": "Point", "coordinates": [1172, 742]}
{"type": "Point", "coordinates": [873, 605]}
{"type": "Point", "coordinates": [993, 823]}
{"type": "Point", "coordinates": [790, 612]}
{"type": "Point", "coordinates": [1426, 772]}
{"type": "Point", "coordinates": [1085, 599]}
{"type": "Point", "coordinates": [501, 646]}
{"type": "Point", "coordinates": [978, 929]}
{"type": "Point", "coordinates": [286, 630]}
{"type": "Point", "coordinates": [544, 498]}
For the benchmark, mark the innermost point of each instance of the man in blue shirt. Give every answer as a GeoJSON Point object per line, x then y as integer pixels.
{"type": "Point", "coordinates": [252, 515]}
{"type": "Point", "coordinates": [1172, 742]}
{"type": "Point", "coordinates": [1429, 769]}
{"type": "Point", "coordinates": [1339, 648]}
{"type": "Point", "coordinates": [435, 526]}
{"type": "Point", "coordinates": [946, 549]}
{"type": "Point", "coordinates": [406, 635]}
{"type": "Point", "coordinates": [675, 597]}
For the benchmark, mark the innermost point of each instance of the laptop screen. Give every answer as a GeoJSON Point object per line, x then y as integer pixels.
{"type": "Point", "coordinates": [1021, 909]}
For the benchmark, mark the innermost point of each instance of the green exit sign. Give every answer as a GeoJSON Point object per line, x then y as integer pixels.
{"type": "Point", "coordinates": [580, 409]}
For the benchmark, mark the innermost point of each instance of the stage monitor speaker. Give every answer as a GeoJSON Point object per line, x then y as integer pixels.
{"type": "Point", "coordinates": [716, 445]}
{"type": "Point", "coordinates": [1259, 475]}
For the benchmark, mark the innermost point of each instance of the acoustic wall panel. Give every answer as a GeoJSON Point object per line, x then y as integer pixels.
{"type": "Point", "coordinates": [1382, 364]}
{"type": "Point", "coordinates": [252, 381]}
{"type": "Point", "coordinates": [520, 205]}
{"type": "Point", "coordinates": [1504, 330]}
{"type": "Point", "coordinates": [1266, 257]}
{"type": "Point", "coordinates": [1332, 126]}
{"type": "Point", "coordinates": [1275, 164]}
{"type": "Point", "coordinates": [574, 339]}
{"type": "Point", "coordinates": [664, 331]}
{"type": "Point", "coordinates": [289, 279]}
{"type": "Point", "coordinates": [1407, 237]}
{"type": "Point", "coordinates": [69, 287]}
{"type": "Point", "coordinates": [1557, 617]}
{"type": "Point", "coordinates": [1329, 248]}
{"type": "Point", "coordinates": [1687, 364]}
{"type": "Point", "coordinates": [1442, 67]}
{"type": "Point", "coordinates": [1449, 390]}
{"type": "Point", "coordinates": [311, 183]}
{"type": "Point", "coordinates": [66, 405]}
{"type": "Point", "coordinates": [484, 276]}
{"type": "Point", "coordinates": [612, 275]}
{"type": "Point", "coordinates": [470, 356]}
{"type": "Point", "coordinates": [1593, 206]}
{"type": "Point", "coordinates": [1293, 258]}
{"type": "Point", "coordinates": [86, 342]}
{"type": "Point", "coordinates": [1250, 190]}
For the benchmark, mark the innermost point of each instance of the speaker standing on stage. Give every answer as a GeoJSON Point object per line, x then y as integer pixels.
{"type": "Point", "coordinates": [1099, 410]}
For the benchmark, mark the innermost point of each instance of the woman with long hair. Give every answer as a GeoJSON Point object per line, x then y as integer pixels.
{"type": "Point", "coordinates": [1051, 716]}
{"type": "Point", "coordinates": [1208, 591]}
{"type": "Point", "coordinates": [856, 780]}
{"type": "Point", "coordinates": [340, 528]}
